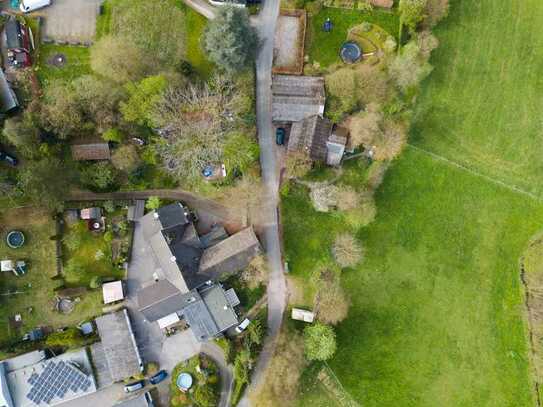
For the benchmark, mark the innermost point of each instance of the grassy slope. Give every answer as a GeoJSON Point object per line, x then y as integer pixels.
{"type": "Point", "coordinates": [324, 47]}
{"type": "Point", "coordinates": [482, 103]}
{"type": "Point", "coordinates": [437, 315]}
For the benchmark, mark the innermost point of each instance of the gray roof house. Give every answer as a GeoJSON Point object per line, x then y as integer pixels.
{"type": "Point", "coordinates": [296, 97]}
{"type": "Point", "coordinates": [319, 138]}
{"type": "Point", "coordinates": [119, 345]}
{"type": "Point", "coordinates": [230, 255]}
{"type": "Point", "coordinates": [208, 310]}
{"type": "Point", "coordinates": [190, 263]}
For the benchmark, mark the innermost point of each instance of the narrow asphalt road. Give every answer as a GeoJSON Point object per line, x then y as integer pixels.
{"type": "Point", "coordinates": [266, 23]}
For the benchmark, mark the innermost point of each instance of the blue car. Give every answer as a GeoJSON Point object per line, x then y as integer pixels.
{"type": "Point", "coordinates": [157, 378]}
{"type": "Point", "coordinates": [280, 136]}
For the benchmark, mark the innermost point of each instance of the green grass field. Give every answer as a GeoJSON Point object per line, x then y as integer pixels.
{"type": "Point", "coordinates": [437, 313]}
{"type": "Point", "coordinates": [195, 26]}
{"type": "Point", "coordinates": [77, 63]}
{"type": "Point", "coordinates": [481, 106]}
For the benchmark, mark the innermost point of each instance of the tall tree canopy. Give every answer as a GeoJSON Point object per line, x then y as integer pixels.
{"type": "Point", "coordinates": [230, 40]}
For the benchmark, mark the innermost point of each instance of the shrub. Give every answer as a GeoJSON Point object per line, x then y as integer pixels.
{"type": "Point", "coordinates": [126, 158]}
{"type": "Point", "coordinates": [204, 396]}
{"type": "Point", "coordinates": [151, 368]}
{"type": "Point", "coordinates": [331, 301]}
{"type": "Point", "coordinates": [95, 282]}
{"type": "Point", "coordinates": [346, 250]}
{"type": "Point", "coordinates": [113, 135]}
{"type": "Point", "coordinates": [342, 94]}
{"type": "Point", "coordinates": [319, 342]}
{"type": "Point", "coordinates": [109, 206]}
{"type": "Point", "coordinates": [69, 338]}
{"type": "Point", "coordinates": [297, 164]}
{"type": "Point", "coordinates": [99, 176]}
{"type": "Point", "coordinates": [153, 203]}
{"type": "Point", "coordinates": [256, 273]}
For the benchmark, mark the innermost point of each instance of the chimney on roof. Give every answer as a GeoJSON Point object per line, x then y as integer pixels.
{"type": "Point", "coordinates": [173, 259]}
{"type": "Point", "coordinates": [155, 215]}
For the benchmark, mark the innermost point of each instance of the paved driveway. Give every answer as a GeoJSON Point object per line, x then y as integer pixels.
{"type": "Point", "coordinates": [103, 398]}
{"type": "Point", "coordinates": [72, 21]}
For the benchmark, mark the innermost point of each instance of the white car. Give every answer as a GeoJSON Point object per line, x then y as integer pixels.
{"type": "Point", "coordinates": [27, 6]}
{"type": "Point", "coordinates": [244, 324]}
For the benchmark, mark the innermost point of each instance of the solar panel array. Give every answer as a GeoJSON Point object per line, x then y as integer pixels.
{"type": "Point", "coordinates": [55, 381]}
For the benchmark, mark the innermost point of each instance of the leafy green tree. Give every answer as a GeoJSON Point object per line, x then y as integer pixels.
{"type": "Point", "coordinates": [74, 270]}
{"type": "Point", "coordinates": [22, 133]}
{"type": "Point", "coordinates": [69, 338]}
{"type": "Point", "coordinates": [412, 13]}
{"type": "Point", "coordinates": [45, 182]}
{"type": "Point", "coordinates": [99, 176]}
{"type": "Point", "coordinates": [142, 96]}
{"type": "Point", "coordinates": [241, 367]}
{"type": "Point", "coordinates": [255, 332]}
{"type": "Point", "coordinates": [153, 203]}
{"type": "Point", "coordinates": [319, 342]}
{"type": "Point", "coordinates": [113, 135]}
{"type": "Point", "coordinates": [230, 40]}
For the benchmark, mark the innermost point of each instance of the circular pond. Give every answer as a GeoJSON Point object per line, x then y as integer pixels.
{"type": "Point", "coordinates": [184, 381]}
{"type": "Point", "coordinates": [15, 239]}
{"type": "Point", "coordinates": [350, 52]}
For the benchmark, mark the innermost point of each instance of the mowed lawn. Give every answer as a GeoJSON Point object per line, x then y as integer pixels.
{"type": "Point", "coordinates": [482, 104]}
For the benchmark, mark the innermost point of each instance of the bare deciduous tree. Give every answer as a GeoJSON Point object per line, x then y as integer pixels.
{"type": "Point", "coordinates": [346, 250]}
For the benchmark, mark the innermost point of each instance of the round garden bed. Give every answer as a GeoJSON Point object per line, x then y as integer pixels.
{"type": "Point", "coordinates": [350, 52]}
{"type": "Point", "coordinates": [15, 239]}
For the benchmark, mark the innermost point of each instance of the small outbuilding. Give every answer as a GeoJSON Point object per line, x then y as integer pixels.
{"type": "Point", "coordinates": [113, 292]}
{"type": "Point", "coordinates": [302, 315]}
{"type": "Point", "coordinates": [90, 213]}
{"type": "Point", "coordinates": [90, 151]}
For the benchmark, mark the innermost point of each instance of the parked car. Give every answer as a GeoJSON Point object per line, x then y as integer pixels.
{"type": "Point", "coordinates": [244, 324]}
{"type": "Point", "coordinates": [27, 6]}
{"type": "Point", "coordinates": [8, 158]}
{"type": "Point", "coordinates": [135, 386]}
{"type": "Point", "coordinates": [280, 136]}
{"type": "Point", "coordinates": [157, 378]}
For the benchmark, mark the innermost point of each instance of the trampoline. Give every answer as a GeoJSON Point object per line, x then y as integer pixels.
{"type": "Point", "coordinates": [184, 381]}
{"type": "Point", "coordinates": [15, 239]}
{"type": "Point", "coordinates": [350, 52]}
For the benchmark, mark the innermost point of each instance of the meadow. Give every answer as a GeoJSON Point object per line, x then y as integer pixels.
{"type": "Point", "coordinates": [437, 314]}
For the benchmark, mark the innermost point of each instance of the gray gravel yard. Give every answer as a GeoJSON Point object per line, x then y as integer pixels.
{"type": "Point", "coordinates": [71, 21]}
{"type": "Point", "coordinates": [286, 41]}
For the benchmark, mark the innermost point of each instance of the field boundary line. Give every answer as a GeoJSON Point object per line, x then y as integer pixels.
{"type": "Point", "coordinates": [455, 164]}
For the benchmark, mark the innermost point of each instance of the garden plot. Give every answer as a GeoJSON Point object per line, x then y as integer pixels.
{"type": "Point", "coordinates": [289, 42]}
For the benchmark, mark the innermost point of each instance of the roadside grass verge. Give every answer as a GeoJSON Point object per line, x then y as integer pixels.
{"type": "Point", "coordinates": [37, 285]}
{"type": "Point", "coordinates": [323, 47]}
